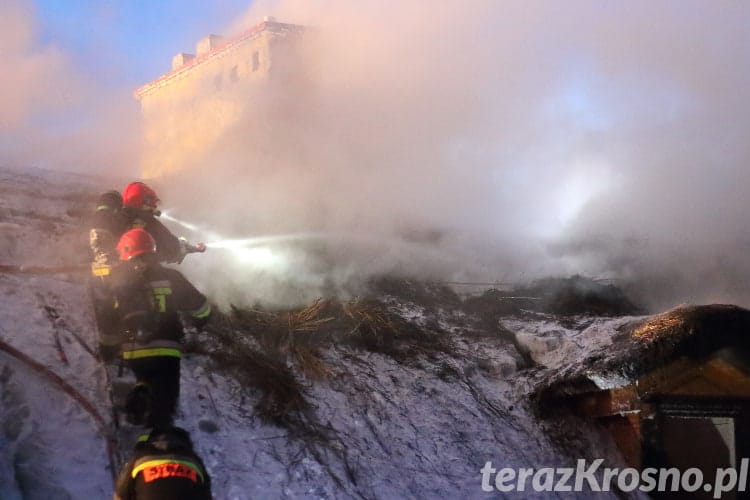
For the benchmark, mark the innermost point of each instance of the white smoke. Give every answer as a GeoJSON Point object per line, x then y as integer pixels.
{"type": "Point", "coordinates": [511, 139]}
{"type": "Point", "coordinates": [54, 113]}
{"type": "Point", "coordinates": [456, 140]}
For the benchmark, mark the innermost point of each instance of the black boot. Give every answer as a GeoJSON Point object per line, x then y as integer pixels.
{"type": "Point", "coordinates": [110, 354]}
{"type": "Point", "coordinates": [138, 405]}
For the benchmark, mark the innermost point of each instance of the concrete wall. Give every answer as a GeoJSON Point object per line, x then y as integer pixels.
{"type": "Point", "coordinates": [186, 112]}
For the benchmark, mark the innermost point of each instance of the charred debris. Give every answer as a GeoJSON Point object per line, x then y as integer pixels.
{"type": "Point", "coordinates": [277, 354]}
{"type": "Point", "coordinates": [686, 334]}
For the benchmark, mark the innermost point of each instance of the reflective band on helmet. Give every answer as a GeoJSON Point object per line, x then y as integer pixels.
{"type": "Point", "coordinates": [148, 353]}
{"type": "Point", "coordinates": [203, 312]}
{"type": "Point", "coordinates": [156, 463]}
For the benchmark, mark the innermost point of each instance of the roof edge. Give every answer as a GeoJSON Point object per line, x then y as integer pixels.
{"type": "Point", "coordinates": [270, 26]}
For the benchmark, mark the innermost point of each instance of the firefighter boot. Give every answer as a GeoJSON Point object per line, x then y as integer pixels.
{"type": "Point", "coordinates": [137, 405]}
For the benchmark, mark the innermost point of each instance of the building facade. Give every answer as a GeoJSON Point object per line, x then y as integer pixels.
{"type": "Point", "coordinates": [186, 111]}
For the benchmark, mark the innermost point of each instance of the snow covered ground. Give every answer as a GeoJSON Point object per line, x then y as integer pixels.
{"type": "Point", "coordinates": [555, 345]}
{"type": "Point", "coordinates": [378, 427]}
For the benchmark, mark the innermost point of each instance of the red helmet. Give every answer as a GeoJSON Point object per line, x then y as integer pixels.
{"type": "Point", "coordinates": [139, 195]}
{"type": "Point", "coordinates": [135, 242]}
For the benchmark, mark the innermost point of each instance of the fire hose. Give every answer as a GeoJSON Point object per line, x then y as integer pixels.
{"type": "Point", "coordinates": [76, 268]}
{"type": "Point", "coordinates": [24, 269]}
{"type": "Point", "coordinates": [70, 391]}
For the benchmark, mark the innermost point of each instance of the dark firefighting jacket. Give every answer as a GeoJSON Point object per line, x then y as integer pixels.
{"type": "Point", "coordinates": [168, 246]}
{"type": "Point", "coordinates": [152, 302]}
{"type": "Point", "coordinates": [105, 228]}
{"type": "Point", "coordinates": [164, 467]}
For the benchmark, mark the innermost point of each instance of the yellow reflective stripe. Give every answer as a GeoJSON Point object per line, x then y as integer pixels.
{"type": "Point", "coordinates": [142, 438]}
{"type": "Point", "coordinates": [100, 269]}
{"type": "Point", "coordinates": [154, 463]}
{"type": "Point", "coordinates": [203, 312]}
{"type": "Point", "coordinates": [156, 351]}
{"type": "Point", "coordinates": [160, 293]}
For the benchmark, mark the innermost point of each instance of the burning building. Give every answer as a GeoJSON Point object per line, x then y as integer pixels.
{"type": "Point", "coordinates": [187, 110]}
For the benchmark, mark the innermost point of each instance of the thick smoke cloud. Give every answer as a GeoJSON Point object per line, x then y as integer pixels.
{"type": "Point", "coordinates": [54, 113]}
{"type": "Point", "coordinates": [474, 140]}
{"type": "Point", "coordinates": [506, 141]}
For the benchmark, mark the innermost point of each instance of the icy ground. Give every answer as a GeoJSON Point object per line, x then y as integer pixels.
{"type": "Point", "coordinates": [379, 427]}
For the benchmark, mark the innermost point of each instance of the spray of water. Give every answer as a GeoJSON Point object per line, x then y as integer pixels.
{"type": "Point", "coordinates": [268, 240]}
{"type": "Point", "coordinates": [237, 245]}
{"type": "Point", "coordinates": [297, 266]}
{"type": "Point", "coordinates": [186, 225]}
{"type": "Point", "coordinates": [249, 253]}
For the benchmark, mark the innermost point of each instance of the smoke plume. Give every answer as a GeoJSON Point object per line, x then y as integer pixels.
{"type": "Point", "coordinates": [54, 113]}
{"type": "Point", "coordinates": [504, 141]}
{"type": "Point", "coordinates": [452, 140]}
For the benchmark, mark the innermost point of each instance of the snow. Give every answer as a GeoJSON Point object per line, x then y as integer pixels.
{"type": "Point", "coordinates": [51, 418]}
{"type": "Point", "coordinates": [378, 428]}
{"type": "Point", "coordinates": [556, 345]}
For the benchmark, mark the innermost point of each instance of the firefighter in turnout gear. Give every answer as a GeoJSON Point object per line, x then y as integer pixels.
{"type": "Point", "coordinates": [152, 302]}
{"type": "Point", "coordinates": [106, 225]}
{"type": "Point", "coordinates": [140, 206]}
{"type": "Point", "coordinates": [164, 467]}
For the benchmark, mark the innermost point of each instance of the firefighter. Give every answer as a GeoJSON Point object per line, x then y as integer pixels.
{"type": "Point", "coordinates": [140, 205]}
{"type": "Point", "coordinates": [107, 224]}
{"type": "Point", "coordinates": [152, 302]}
{"type": "Point", "coordinates": [164, 467]}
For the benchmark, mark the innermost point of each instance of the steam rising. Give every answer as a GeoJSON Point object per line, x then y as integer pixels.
{"type": "Point", "coordinates": [512, 140]}
{"type": "Point", "coordinates": [54, 113]}
{"type": "Point", "coordinates": [469, 140]}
